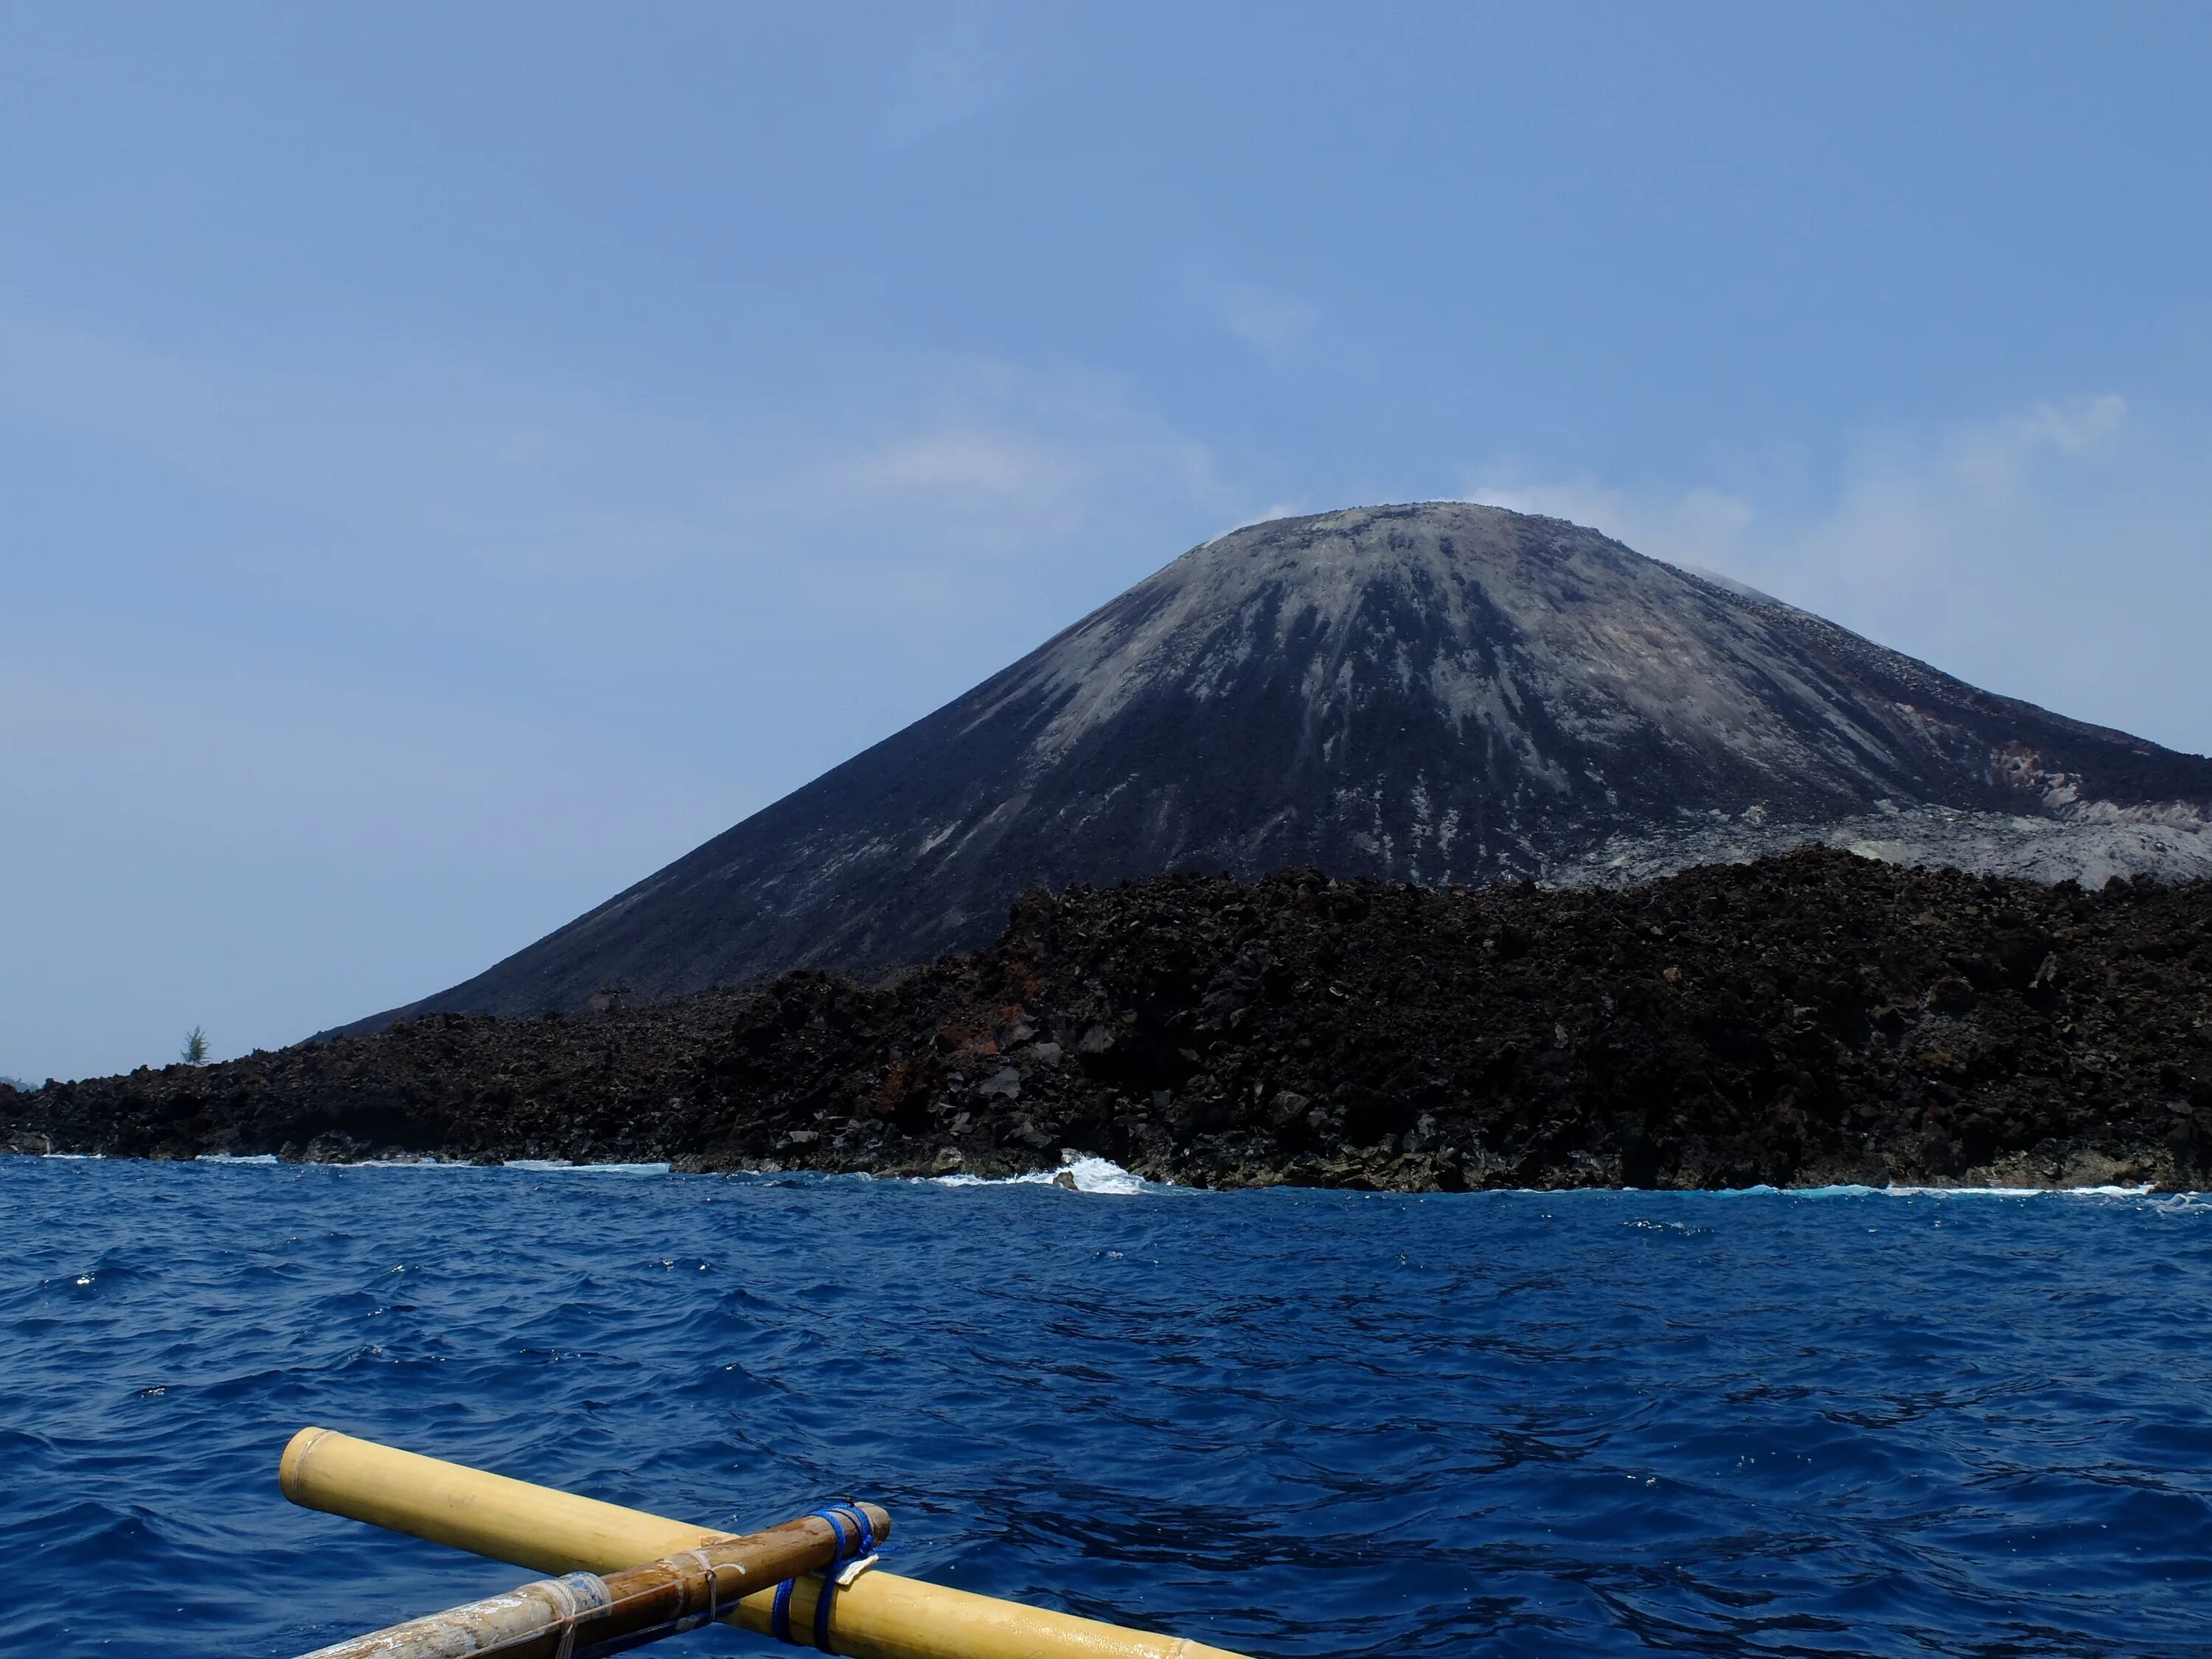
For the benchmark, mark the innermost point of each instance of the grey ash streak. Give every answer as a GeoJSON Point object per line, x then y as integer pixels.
{"type": "Point", "coordinates": [1438, 693]}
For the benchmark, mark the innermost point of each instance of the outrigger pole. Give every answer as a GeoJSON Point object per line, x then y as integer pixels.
{"type": "Point", "coordinates": [581, 1615]}
{"type": "Point", "coordinates": [872, 1615]}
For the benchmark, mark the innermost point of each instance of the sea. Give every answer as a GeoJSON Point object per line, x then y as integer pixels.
{"type": "Point", "coordinates": [1286, 1422]}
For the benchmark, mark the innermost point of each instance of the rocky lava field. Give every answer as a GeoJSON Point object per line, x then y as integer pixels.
{"type": "Point", "coordinates": [1808, 1019]}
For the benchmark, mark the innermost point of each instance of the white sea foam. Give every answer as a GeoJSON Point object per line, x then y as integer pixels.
{"type": "Point", "coordinates": [1098, 1174]}
{"type": "Point", "coordinates": [562, 1166]}
{"type": "Point", "coordinates": [1844, 1189]}
{"type": "Point", "coordinates": [2169, 1202]}
{"type": "Point", "coordinates": [1859, 1191]}
{"type": "Point", "coordinates": [409, 1164]}
{"type": "Point", "coordinates": [1090, 1174]}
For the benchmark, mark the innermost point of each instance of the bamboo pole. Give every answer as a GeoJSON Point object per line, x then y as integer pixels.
{"type": "Point", "coordinates": [523, 1623]}
{"type": "Point", "coordinates": [879, 1616]}
{"type": "Point", "coordinates": [583, 1613]}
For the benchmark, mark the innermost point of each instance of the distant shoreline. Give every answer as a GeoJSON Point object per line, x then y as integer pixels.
{"type": "Point", "coordinates": [1809, 1020]}
{"type": "Point", "coordinates": [530, 1167]}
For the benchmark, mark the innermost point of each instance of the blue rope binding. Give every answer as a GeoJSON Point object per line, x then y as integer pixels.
{"type": "Point", "coordinates": [855, 1539]}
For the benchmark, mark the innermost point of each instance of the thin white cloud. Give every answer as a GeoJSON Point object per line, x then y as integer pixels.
{"type": "Point", "coordinates": [361, 483]}
{"type": "Point", "coordinates": [1281, 509]}
{"type": "Point", "coordinates": [390, 666]}
{"type": "Point", "coordinates": [400, 457]}
{"type": "Point", "coordinates": [967, 57]}
{"type": "Point", "coordinates": [2056, 552]}
{"type": "Point", "coordinates": [966, 463]}
{"type": "Point", "coordinates": [968, 490]}
{"type": "Point", "coordinates": [1276, 326]}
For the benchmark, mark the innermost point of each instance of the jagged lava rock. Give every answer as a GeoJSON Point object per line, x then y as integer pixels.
{"type": "Point", "coordinates": [1816, 1017]}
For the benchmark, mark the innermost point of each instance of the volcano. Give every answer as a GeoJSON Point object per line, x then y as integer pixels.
{"type": "Point", "coordinates": [1438, 693]}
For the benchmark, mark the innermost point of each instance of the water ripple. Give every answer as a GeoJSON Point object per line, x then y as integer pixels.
{"type": "Point", "coordinates": [1289, 1423]}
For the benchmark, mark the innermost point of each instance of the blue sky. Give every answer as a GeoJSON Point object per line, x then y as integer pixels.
{"type": "Point", "coordinates": [457, 459]}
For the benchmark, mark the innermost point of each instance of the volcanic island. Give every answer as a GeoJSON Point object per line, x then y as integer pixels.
{"type": "Point", "coordinates": [1425, 847]}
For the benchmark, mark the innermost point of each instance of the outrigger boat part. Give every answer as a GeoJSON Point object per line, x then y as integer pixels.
{"type": "Point", "coordinates": [628, 1578]}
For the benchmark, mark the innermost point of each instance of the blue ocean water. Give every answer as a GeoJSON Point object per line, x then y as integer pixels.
{"type": "Point", "coordinates": [1287, 1423]}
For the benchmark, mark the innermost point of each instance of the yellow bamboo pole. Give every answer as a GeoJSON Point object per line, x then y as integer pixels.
{"type": "Point", "coordinates": [879, 1616]}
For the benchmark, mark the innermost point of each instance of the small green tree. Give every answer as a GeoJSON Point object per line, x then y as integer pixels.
{"type": "Point", "coordinates": [195, 1047]}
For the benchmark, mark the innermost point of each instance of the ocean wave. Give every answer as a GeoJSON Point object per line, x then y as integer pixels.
{"type": "Point", "coordinates": [1083, 1175]}
{"type": "Point", "coordinates": [562, 1166]}
{"type": "Point", "coordinates": [1857, 1190]}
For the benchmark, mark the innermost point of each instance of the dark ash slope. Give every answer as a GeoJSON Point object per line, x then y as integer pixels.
{"type": "Point", "coordinates": [1440, 693]}
{"type": "Point", "coordinates": [1812, 1019]}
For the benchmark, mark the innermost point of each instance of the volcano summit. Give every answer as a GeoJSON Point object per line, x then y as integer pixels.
{"type": "Point", "coordinates": [1439, 693]}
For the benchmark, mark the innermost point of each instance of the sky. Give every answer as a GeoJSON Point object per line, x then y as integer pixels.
{"type": "Point", "coordinates": [455, 459]}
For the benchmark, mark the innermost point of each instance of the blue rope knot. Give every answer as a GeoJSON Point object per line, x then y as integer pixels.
{"type": "Point", "coordinates": [855, 1539]}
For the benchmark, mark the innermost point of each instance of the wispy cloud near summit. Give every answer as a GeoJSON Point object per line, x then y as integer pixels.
{"type": "Point", "coordinates": [1994, 549]}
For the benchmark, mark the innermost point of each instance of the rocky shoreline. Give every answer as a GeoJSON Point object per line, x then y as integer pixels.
{"type": "Point", "coordinates": [1804, 1020]}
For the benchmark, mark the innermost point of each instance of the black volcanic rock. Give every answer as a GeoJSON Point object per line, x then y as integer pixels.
{"type": "Point", "coordinates": [1437, 693]}
{"type": "Point", "coordinates": [1808, 1019]}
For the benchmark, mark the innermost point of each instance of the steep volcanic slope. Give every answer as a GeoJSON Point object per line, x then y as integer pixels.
{"type": "Point", "coordinates": [1437, 693]}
